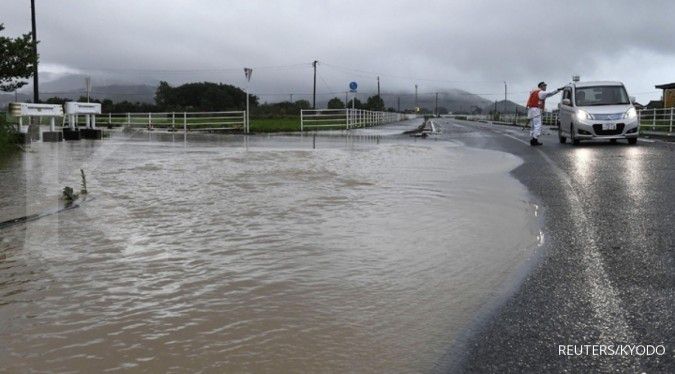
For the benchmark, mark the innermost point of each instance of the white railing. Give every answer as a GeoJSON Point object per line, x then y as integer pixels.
{"type": "Point", "coordinates": [345, 118]}
{"type": "Point", "coordinates": [656, 121]}
{"type": "Point", "coordinates": [176, 121]}
{"type": "Point", "coordinates": [548, 118]}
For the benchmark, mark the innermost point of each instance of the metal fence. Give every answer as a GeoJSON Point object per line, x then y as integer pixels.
{"type": "Point", "coordinates": [656, 120]}
{"type": "Point", "coordinates": [345, 118]}
{"type": "Point", "coordinates": [176, 121]}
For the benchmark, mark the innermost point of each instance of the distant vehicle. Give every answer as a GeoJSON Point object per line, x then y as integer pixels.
{"type": "Point", "coordinates": [597, 111]}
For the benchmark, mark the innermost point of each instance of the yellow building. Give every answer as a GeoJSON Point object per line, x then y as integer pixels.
{"type": "Point", "coordinates": [668, 94]}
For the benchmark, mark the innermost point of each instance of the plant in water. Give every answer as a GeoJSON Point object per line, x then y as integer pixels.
{"type": "Point", "coordinates": [69, 195]}
{"type": "Point", "coordinates": [83, 191]}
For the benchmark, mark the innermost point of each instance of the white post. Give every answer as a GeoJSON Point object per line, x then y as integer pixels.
{"type": "Point", "coordinates": [671, 120]}
{"type": "Point", "coordinates": [302, 120]}
{"type": "Point", "coordinates": [20, 124]}
{"type": "Point", "coordinates": [347, 113]}
{"type": "Point", "coordinates": [247, 110]}
{"type": "Point", "coordinates": [149, 121]}
{"type": "Point", "coordinates": [109, 119]}
{"type": "Point", "coordinates": [173, 121]}
{"type": "Point", "coordinates": [87, 120]}
{"type": "Point", "coordinates": [185, 122]}
{"type": "Point", "coordinates": [52, 124]}
{"type": "Point", "coordinates": [73, 124]}
{"type": "Point", "coordinates": [654, 120]}
{"type": "Point", "coordinates": [129, 119]}
{"type": "Point", "coordinates": [93, 121]}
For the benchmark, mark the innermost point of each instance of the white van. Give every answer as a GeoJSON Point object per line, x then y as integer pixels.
{"type": "Point", "coordinates": [597, 111]}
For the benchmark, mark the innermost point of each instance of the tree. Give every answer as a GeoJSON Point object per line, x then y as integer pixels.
{"type": "Point", "coordinates": [303, 104]}
{"type": "Point", "coordinates": [375, 103]}
{"type": "Point", "coordinates": [205, 96]}
{"type": "Point", "coordinates": [357, 104]}
{"type": "Point", "coordinates": [335, 103]}
{"type": "Point", "coordinates": [17, 61]}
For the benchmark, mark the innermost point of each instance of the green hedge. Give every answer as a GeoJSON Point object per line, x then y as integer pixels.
{"type": "Point", "coordinates": [7, 136]}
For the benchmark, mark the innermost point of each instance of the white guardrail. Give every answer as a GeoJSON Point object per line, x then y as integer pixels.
{"type": "Point", "coordinates": [657, 121]}
{"type": "Point", "coordinates": [345, 118]}
{"type": "Point", "coordinates": [186, 121]}
{"type": "Point", "coordinates": [652, 121]}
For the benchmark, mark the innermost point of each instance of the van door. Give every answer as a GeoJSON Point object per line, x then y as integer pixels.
{"type": "Point", "coordinates": [566, 111]}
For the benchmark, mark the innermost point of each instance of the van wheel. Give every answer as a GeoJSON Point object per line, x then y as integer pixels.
{"type": "Point", "coordinates": [632, 141]}
{"type": "Point", "coordinates": [561, 138]}
{"type": "Point", "coordinates": [573, 138]}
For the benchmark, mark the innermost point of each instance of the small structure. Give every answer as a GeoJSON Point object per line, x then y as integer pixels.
{"type": "Point", "coordinates": [89, 110]}
{"type": "Point", "coordinates": [51, 111]}
{"type": "Point", "coordinates": [668, 94]}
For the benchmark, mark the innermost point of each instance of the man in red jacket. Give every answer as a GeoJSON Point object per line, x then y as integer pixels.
{"type": "Point", "coordinates": [535, 109]}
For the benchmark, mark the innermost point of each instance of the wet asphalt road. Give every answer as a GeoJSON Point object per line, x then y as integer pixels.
{"type": "Point", "coordinates": [606, 275]}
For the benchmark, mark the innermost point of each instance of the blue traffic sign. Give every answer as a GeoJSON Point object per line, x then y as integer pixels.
{"type": "Point", "coordinates": [353, 86]}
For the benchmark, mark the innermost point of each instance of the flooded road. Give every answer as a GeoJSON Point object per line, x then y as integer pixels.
{"type": "Point", "coordinates": [255, 255]}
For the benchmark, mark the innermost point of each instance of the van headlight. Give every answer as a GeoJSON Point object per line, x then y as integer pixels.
{"type": "Point", "coordinates": [630, 113]}
{"type": "Point", "coordinates": [583, 115]}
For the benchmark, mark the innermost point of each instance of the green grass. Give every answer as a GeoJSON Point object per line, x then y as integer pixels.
{"type": "Point", "coordinates": [660, 125]}
{"type": "Point", "coordinates": [284, 124]}
{"type": "Point", "coordinates": [7, 137]}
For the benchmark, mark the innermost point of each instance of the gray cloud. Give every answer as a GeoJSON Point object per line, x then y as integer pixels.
{"type": "Point", "coordinates": [474, 45]}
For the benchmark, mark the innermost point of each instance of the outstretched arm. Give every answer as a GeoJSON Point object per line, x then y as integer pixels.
{"type": "Point", "coordinates": [543, 95]}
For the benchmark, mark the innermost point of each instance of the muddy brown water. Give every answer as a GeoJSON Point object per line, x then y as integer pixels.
{"type": "Point", "coordinates": [258, 254]}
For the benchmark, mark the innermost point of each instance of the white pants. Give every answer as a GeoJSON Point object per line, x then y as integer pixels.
{"type": "Point", "coordinates": [535, 131]}
{"type": "Point", "coordinates": [534, 115]}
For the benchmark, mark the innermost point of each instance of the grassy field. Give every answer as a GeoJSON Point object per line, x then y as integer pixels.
{"type": "Point", "coordinates": [285, 124]}
{"type": "Point", "coordinates": [658, 125]}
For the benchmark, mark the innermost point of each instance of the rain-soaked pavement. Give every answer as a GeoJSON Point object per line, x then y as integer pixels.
{"type": "Point", "coordinates": [374, 252]}
{"type": "Point", "coordinates": [607, 274]}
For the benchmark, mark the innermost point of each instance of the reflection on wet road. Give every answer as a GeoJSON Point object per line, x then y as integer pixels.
{"type": "Point", "coordinates": [607, 277]}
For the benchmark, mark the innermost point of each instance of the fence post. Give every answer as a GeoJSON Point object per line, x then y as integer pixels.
{"type": "Point", "coordinates": [109, 119]}
{"type": "Point", "coordinates": [128, 119]}
{"type": "Point", "coordinates": [302, 120]}
{"type": "Point", "coordinates": [173, 121]}
{"type": "Point", "coordinates": [671, 120]}
{"type": "Point", "coordinates": [185, 122]}
{"type": "Point", "coordinates": [347, 118]}
{"type": "Point", "coordinates": [654, 120]}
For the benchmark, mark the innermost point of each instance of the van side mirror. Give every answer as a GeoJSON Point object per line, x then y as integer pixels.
{"type": "Point", "coordinates": [632, 99]}
{"type": "Point", "coordinates": [567, 102]}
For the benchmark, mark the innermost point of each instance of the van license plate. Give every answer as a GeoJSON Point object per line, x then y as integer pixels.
{"type": "Point", "coordinates": [609, 126]}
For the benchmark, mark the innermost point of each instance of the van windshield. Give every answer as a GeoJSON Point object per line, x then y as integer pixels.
{"type": "Point", "coordinates": [601, 95]}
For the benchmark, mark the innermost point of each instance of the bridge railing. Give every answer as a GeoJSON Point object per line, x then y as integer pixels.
{"type": "Point", "coordinates": [177, 121]}
{"type": "Point", "coordinates": [312, 119]}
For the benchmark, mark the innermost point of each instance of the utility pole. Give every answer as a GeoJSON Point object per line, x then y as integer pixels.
{"type": "Point", "coordinates": [504, 92]}
{"type": "Point", "coordinates": [436, 110]}
{"type": "Point", "coordinates": [87, 83]}
{"type": "Point", "coordinates": [36, 92]}
{"type": "Point", "coordinates": [416, 106]}
{"type": "Point", "coordinates": [314, 92]}
{"type": "Point", "coordinates": [378, 86]}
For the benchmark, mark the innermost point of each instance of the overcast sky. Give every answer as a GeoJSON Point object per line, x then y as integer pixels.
{"type": "Point", "coordinates": [472, 45]}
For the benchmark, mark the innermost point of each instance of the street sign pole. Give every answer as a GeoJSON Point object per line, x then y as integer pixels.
{"type": "Point", "coordinates": [247, 122]}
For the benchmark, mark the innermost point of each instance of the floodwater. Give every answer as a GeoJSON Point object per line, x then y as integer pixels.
{"type": "Point", "coordinates": [256, 254]}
